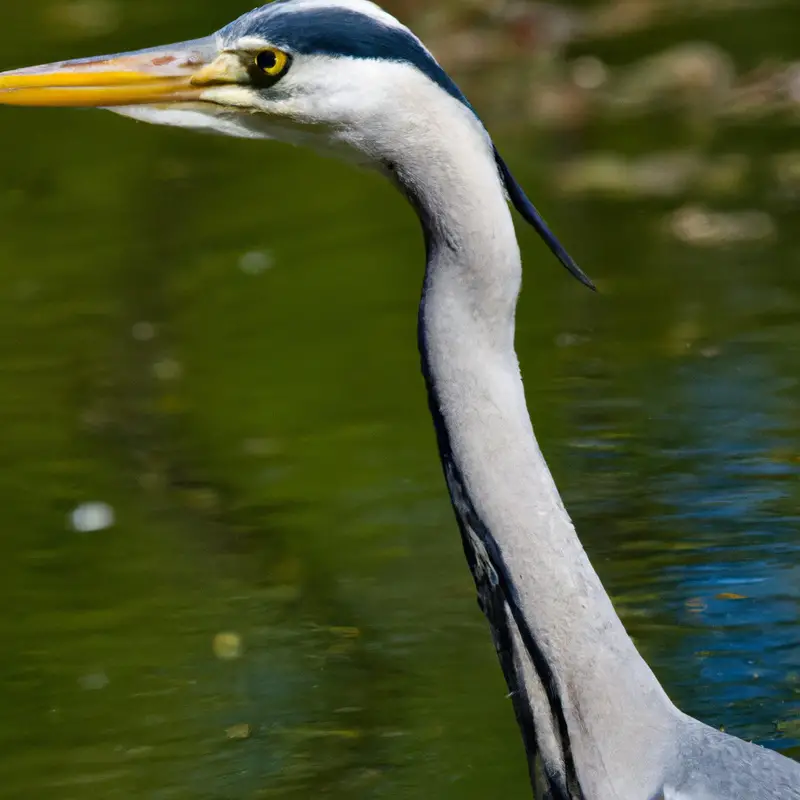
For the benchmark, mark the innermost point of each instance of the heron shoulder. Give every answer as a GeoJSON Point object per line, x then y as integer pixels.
{"type": "Point", "coordinates": [713, 765]}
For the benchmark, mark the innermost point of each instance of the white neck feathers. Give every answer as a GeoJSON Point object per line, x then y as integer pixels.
{"type": "Point", "coordinates": [567, 643]}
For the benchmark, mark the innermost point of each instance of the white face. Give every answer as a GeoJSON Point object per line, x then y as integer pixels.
{"type": "Point", "coordinates": [360, 109]}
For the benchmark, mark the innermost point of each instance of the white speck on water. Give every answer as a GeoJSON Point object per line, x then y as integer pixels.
{"type": "Point", "coordinates": [589, 72]}
{"type": "Point", "coordinates": [93, 681]}
{"type": "Point", "coordinates": [143, 331]}
{"type": "Point", "coordinates": [91, 517]}
{"type": "Point", "coordinates": [167, 369]}
{"type": "Point", "coordinates": [567, 340]}
{"type": "Point", "coordinates": [227, 646]}
{"type": "Point", "coordinates": [261, 447]}
{"type": "Point", "coordinates": [255, 262]}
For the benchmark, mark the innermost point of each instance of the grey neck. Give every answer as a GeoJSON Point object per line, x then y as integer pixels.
{"type": "Point", "coordinates": [581, 691]}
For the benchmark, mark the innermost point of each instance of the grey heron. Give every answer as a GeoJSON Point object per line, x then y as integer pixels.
{"type": "Point", "coordinates": [345, 76]}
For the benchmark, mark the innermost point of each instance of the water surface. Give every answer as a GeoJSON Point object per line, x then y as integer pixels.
{"type": "Point", "coordinates": [216, 340]}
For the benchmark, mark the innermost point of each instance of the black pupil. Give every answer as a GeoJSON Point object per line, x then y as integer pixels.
{"type": "Point", "coordinates": [266, 60]}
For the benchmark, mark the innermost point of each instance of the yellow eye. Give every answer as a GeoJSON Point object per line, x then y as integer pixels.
{"type": "Point", "coordinates": [272, 62]}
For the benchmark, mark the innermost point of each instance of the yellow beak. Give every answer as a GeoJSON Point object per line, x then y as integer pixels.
{"type": "Point", "coordinates": [175, 73]}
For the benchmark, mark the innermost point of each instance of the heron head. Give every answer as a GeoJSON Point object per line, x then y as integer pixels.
{"type": "Point", "coordinates": [324, 72]}
{"type": "Point", "coordinates": [335, 74]}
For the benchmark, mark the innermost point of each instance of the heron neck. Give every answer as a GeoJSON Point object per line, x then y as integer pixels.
{"type": "Point", "coordinates": [585, 699]}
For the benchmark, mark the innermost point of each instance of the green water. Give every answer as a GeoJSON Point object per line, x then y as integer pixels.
{"type": "Point", "coordinates": [216, 339]}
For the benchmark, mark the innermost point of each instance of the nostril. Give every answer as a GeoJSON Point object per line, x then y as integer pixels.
{"type": "Point", "coordinates": [222, 70]}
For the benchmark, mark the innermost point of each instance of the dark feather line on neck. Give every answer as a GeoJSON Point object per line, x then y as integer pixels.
{"type": "Point", "coordinates": [493, 598]}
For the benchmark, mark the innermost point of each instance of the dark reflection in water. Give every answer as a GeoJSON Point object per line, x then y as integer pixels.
{"type": "Point", "coordinates": [214, 341]}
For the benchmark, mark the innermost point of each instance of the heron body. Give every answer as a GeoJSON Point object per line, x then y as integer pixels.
{"type": "Point", "coordinates": [345, 76]}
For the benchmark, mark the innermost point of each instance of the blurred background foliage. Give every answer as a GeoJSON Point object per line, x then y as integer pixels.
{"type": "Point", "coordinates": [228, 567]}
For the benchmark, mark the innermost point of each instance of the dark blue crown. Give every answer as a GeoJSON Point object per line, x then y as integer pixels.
{"type": "Point", "coordinates": [336, 31]}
